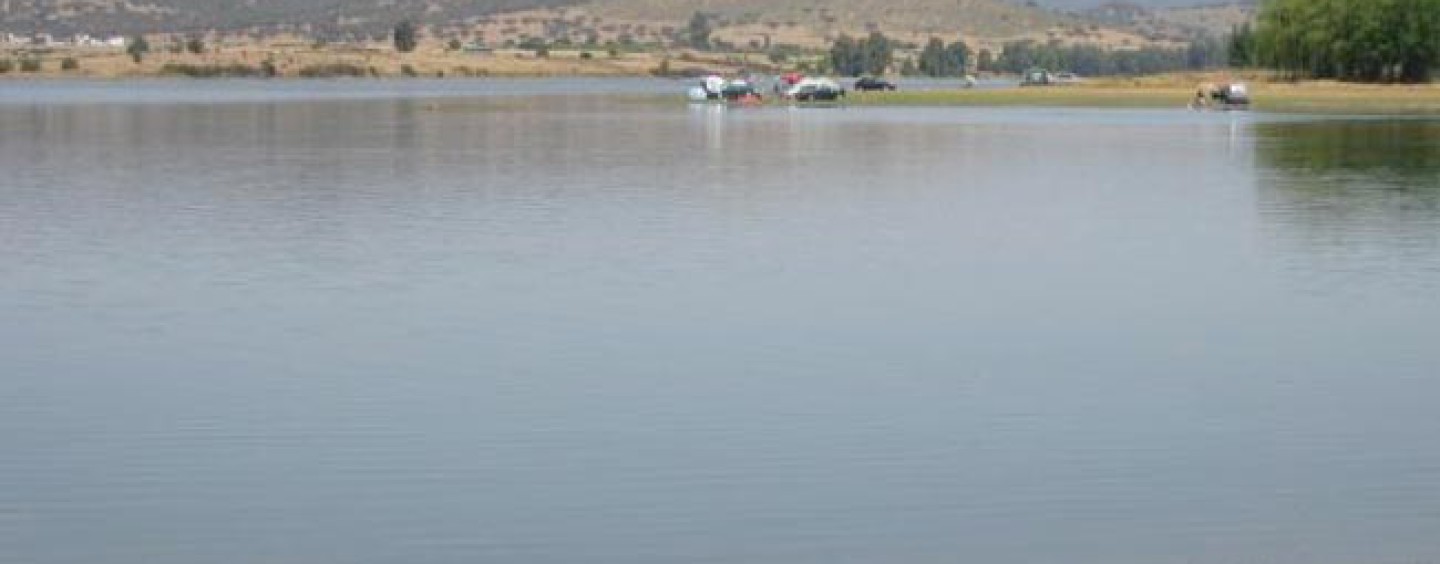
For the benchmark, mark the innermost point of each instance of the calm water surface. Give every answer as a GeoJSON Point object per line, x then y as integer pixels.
{"type": "Point", "coordinates": [369, 322]}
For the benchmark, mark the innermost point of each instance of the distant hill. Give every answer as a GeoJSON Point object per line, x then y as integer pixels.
{"type": "Point", "coordinates": [971, 17]}
{"type": "Point", "coordinates": [1182, 22]}
{"type": "Point", "coordinates": [323, 16]}
{"type": "Point", "coordinates": [808, 23]}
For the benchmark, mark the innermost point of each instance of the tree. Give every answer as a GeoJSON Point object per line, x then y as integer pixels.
{"type": "Point", "coordinates": [698, 32]}
{"type": "Point", "coordinates": [195, 45]}
{"type": "Point", "coordinates": [454, 45]}
{"type": "Point", "coordinates": [137, 48]}
{"type": "Point", "coordinates": [1362, 40]}
{"type": "Point", "coordinates": [405, 37]}
{"type": "Point", "coordinates": [845, 56]}
{"type": "Point", "coordinates": [958, 54]}
{"type": "Point", "coordinates": [69, 64]}
{"type": "Point", "coordinates": [852, 57]}
{"type": "Point", "coordinates": [878, 53]}
{"type": "Point", "coordinates": [1241, 47]}
{"type": "Point", "coordinates": [985, 61]}
{"type": "Point", "coordinates": [932, 59]}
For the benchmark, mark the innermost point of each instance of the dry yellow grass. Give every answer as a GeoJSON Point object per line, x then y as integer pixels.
{"type": "Point", "coordinates": [289, 58]}
{"type": "Point", "coordinates": [1176, 91]}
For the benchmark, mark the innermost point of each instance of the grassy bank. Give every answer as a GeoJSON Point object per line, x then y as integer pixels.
{"type": "Point", "coordinates": [1161, 92]}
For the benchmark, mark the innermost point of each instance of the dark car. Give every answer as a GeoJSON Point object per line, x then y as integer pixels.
{"type": "Point", "coordinates": [812, 93]}
{"type": "Point", "coordinates": [871, 83]}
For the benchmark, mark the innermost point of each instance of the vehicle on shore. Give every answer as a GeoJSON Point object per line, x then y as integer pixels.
{"type": "Point", "coordinates": [1041, 77]}
{"type": "Point", "coordinates": [716, 88]}
{"type": "Point", "coordinates": [815, 90]}
{"type": "Point", "coordinates": [870, 83]}
{"type": "Point", "coordinates": [1227, 97]}
{"type": "Point", "coordinates": [1036, 77]}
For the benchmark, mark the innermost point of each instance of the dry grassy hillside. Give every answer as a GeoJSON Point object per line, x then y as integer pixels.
{"type": "Point", "coordinates": [1216, 20]}
{"type": "Point", "coordinates": [991, 18]}
{"type": "Point", "coordinates": [314, 17]}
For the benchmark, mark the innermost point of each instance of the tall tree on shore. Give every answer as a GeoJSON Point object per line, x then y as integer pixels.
{"type": "Point", "coordinates": [932, 58]}
{"type": "Point", "coordinates": [878, 53]}
{"type": "Point", "coordinates": [854, 57]}
{"type": "Point", "coordinates": [1241, 47]}
{"type": "Point", "coordinates": [405, 37]}
{"type": "Point", "coordinates": [845, 57]}
{"type": "Point", "coordinates": [137, 48]}
{"type": "Point", "coordinates": [1361, 40]}
{"type": "Point", "coordinates": [985, 61]}
{"type": "Point", "coordinates": [697, 33]}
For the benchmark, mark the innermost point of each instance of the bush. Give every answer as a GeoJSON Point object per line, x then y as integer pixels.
{"type": "Point", "coordinates": [405, 36]}
{"type": "Point", "coordinates": [6, 65]}
{"type": "Point", "coordinates": [69, 64]}
{"type": "Point", "coordinates": [268, 70]}
{"type": "Point", "coordinates": [408, 71]}
{"type": "Point", "coordinates": [235, 70]}
{"type": "Point", "coordinates": [29, 65]}
{"type": "Point", "coordinates": [586, 55]}
{"type": "Point", "coordinates": [137, 48]}
{"type": "Point", "coordinates": [332, 70]}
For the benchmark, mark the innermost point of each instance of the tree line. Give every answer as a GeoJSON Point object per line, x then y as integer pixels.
{"type": "Point", "coordinates": [875, 54]}
{"type": "Point", "coordinates": [1091, 60]}
{"type": "Point", "coordinates": [1361, 40]}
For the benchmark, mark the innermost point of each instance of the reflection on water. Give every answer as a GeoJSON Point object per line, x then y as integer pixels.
{"type": "Point", "coordinates": [391, 327]}
{"type": "Point", "coordinates": [1359, 198]}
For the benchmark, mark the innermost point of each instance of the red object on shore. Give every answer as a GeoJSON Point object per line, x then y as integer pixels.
{"type": "Point", "coordinates": [790, 78]}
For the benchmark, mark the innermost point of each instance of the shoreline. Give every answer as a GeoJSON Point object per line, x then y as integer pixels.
{"type": "Point", "coordinates": [1159, 91]}
{"type": "Point", "coordinates": [1316, 97]}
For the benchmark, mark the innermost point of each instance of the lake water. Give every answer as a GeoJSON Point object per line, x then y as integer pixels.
{"type": "Point", "coordinates": [495, 321]}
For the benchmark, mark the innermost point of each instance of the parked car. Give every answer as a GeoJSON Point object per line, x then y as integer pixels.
{"type": "Point", "coordinates": [869, 83]}
{"type": "Point", "coordinates": [815, 90]}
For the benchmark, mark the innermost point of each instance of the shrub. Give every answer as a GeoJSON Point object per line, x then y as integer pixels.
{"type": "Point", "coordinates": [405, 37]}
{"type": "Point", "coordinates": [586, 55]}
{"type": "Point", "coordinates": [137, 48]}
{"type": "Point", "coordinates": [6, 65]}
{"type": "Point", "coordinates": [408, 71]}
{"type": "Point", "coordinates": [29, 65]}
{"type": "Point", "coordinates": [332, 70]}
{"type": "Point", "coordinates": [69, 64]}
{"type": "Point", "coordinates": [210, 71]}
{"type": "Point", "coordinates": [268, 70]}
